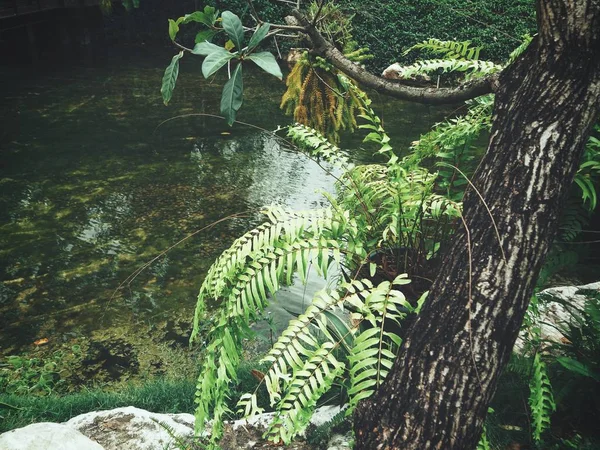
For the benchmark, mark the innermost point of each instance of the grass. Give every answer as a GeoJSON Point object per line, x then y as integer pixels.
{"type": "Point", "coordinates": [160, 395]}
{"type": "Point", "coordinates": [157, 395]}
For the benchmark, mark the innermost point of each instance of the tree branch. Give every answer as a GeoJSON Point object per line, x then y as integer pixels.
{"type": "Point", "coordinates": [431, 96]}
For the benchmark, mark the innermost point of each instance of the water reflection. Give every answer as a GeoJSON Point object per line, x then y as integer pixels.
{"type": "Point", "coordinates": [92, 188]}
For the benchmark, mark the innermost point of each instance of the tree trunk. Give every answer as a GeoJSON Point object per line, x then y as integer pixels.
{"type": "Point", "coordinates": [437, 394]}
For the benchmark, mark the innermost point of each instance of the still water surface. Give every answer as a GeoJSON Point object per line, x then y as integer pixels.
{"type": "Point", "coordinates": [95, 181]}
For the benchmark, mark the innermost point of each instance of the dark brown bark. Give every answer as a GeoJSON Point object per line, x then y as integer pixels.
{"type": "Point", "coordinates": [437, 394]}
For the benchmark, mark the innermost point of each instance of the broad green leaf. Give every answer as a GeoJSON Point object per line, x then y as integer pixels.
{"type": "Point", "coordinates": [197, 16]}
{"type": "Point", "coordinates": [173, 28]}
{"type": "Point", "coordinates": [343, 332]}
{"type": "Point", "coordinates": [211, 14]}
{"type": "Point", "coordinates": [266, 61]}
{"type": "Point", "coordinates": [170, 78]}
{"type": "Point", "coordinates": [575, 366]}
{"type": "Point", "coordinates": [233, 27]}
{"type": "Point", "coordinates": [205, 35]}
{"type": "Point", "coordinates": [258, 35]}
{"type": "Point", "coordinates": [215, 61]}
{"type": "Point", "coordinates": [206, 48]}
{"type": "Point", "coordinates": [231, 99]}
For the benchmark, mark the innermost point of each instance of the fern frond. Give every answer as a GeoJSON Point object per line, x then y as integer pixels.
{"type": "Point", "coordinates": [244, 287]}
{"type": "Point", "coordinates": [573, 220]}
{"type": "Point", "coordinates": [285, 226]}
{"type": "Point", "coordinates": [558, 258]}
{"type": "Point", "coordinates": [297, 341]}
{"type": "Point", "coordinates": [308, 383]}
{"type": "Point", "coordinates": [449, 49]}
{"type": "Point", "coordinates": [316, 145]}
{"type": "Point", "coordinates": [374, 350]}
{"type": "Point", "coordinates": [520, 49]}
{"type": "Point", "coordinates": [588, 175]}
{"type": "Point", "coordinates": [474, 67]}
{"type": "Point", "coordinates": [483, 443]}
{"type": "Point", "coordinates": [303, 366]}
{"type": "Point", "coordinates": [541, 401]}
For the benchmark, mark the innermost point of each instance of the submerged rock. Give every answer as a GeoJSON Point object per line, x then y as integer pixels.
{"type": "Point", "coordinates": [45, 436]}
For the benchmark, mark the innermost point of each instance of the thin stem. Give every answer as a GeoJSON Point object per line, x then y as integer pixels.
{"type": "Point", "coordinates": [316, 18]}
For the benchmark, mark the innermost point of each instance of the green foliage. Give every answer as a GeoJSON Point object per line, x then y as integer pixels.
{"type": "Point", "coordinates": [334, 24]}
{"type": "Point", "coordinates": [484, 444]}
{"type": "Point", "coordinates": [396, 25]}
{"type": "Point", "coordinates": [24, 375]}
{"type": "Point", "coordinates": [233, 27]}
{"type": "Point", "coordinates": [266, 61]}
{"type": "Point", "coordinates": [448, 49]}
{"type": "Point", "coordinates": [541, 400]}
{"type": "Point", "coordinates": [159, 395]}
{"type": "Point", "coordinates": [231, 100]}
{"type": "Point", "coordinates": [106, 5]}
{"type": "Point", "coordinates": [386, 221]}
{"type": "Point", "coordinates": [217, 57]}
{"type": "Point", "coordinates": [447, 66]}
{"type": "Point", "coordinates": [321, 97]}
{"type": "Point", "coordinates": [170, 78]}
{"type": "Point", "coordinates": [572, 365]}
{"type": "Point", "coordinates": [588, 175]}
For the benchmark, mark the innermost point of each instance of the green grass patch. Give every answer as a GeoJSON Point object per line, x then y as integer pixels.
{"type": "Point", "coordinates": [160, 395]}
{"type": "Point", "coordinates": [157, 395]}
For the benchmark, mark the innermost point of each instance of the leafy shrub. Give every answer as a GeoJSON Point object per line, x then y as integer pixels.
{"type": "Point", "coordinates": [390, 27]}
{"type": "Point", "coordinates": [30, 375]}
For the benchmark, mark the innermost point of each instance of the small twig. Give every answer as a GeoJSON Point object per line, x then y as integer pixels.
{"type": "Point", "coordinates": [288, 27]}
{"type": "Point", "coordinates": [316, 18]}
{"type": "Point", "coordinates": [127, 281]}
{"type": "Point", "coordinates": [183, 47]}
{"type": "Point", "coordinates": [277, 47]}
{"type": "Point", "coordinates": [484, 204]}
{"type": "Point", "coordinates": [334, 90]}
{"type": "Point", "coordinates": [254, 14]}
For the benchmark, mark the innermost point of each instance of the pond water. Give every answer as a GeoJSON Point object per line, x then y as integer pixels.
{"type": "Point", "coordinates": [98, 177]}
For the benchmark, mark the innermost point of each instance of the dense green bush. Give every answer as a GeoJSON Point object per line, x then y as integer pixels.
{"type": "Point", "coordinates": [389, 27]}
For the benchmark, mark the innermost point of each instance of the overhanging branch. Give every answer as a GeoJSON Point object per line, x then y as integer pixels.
{"type": "Point", "coordinates": [431, 96]}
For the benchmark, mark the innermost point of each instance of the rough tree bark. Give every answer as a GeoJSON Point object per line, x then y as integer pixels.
{"type": "Point", "coordinates": [437, 394]}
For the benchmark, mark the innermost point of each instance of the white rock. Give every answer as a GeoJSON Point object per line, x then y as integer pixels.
{"type": "Point", "coordinates": [396, 72]}
{"type": "Point", "coordinates": [133, 428]}
{"type": "Point", "coordinates": [46, 436]}
{"type": "Point", "coordinates": [324, 414]}
{"type": "Point", "coordinates": [554, 316]}
{"type": "Point", "coordinates": [261, 421]}
{"type": "Point", "coordinates": [340, 442]}
{"type": "Point", "coordinates": [393, 72]}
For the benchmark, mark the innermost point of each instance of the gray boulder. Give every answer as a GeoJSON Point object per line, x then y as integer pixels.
{"type": "Point", "coordinates": [554, 316]}
{"type": "Point", "coordinates": [46, 436]}
{"type": "Point", "coordinates": [133, 428]}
